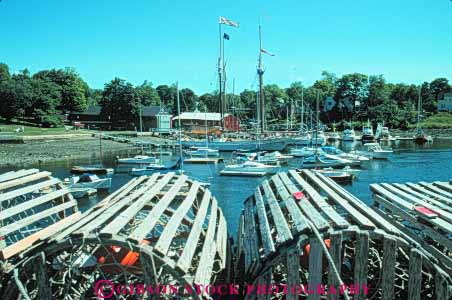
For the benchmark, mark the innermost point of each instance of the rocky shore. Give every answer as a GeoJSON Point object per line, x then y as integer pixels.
{"type": "Point", "coordinates": [35, 152]}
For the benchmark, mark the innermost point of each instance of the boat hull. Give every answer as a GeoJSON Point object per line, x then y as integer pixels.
{"type": "Point", "coordinates": [265, 145]}
{"type": "Point", "coordinates": [102, 184]}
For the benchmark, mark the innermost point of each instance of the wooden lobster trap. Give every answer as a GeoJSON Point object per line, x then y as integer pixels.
{"type": "Point", "coordinates": [302, 236]}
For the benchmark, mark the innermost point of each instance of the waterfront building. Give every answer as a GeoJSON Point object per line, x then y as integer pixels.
{"type": "Point", "coordinates": [445, 104]}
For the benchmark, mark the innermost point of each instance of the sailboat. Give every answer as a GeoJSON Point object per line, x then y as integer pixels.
{"type": "Point", "coordinates": [228, 144]}
{"type": "Point", "coordinates": [420, 137]}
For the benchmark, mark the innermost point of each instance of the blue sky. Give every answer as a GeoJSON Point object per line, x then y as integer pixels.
{"type": "Point", "coordinates": [163, 41]}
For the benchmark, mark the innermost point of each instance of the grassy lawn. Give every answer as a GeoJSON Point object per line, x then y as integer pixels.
{"type": "Point", "coordinates": [31, 130]}
{"type": "Point", "coordinates": [440, 120]}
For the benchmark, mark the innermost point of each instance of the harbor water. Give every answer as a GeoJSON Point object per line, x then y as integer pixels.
{"type": "Point", "coordinates": [409, 163]}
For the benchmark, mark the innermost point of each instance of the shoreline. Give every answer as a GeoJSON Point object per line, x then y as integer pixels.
{"type": "Point", "coordinates": [46, 149]}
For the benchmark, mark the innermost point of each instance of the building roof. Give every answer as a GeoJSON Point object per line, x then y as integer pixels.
{"type": "Point", "coordinates": [95, 110]}
{"type": "Point", "coordinates": [209, 116]}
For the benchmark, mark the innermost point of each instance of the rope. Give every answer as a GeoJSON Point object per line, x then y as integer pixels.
{"type": "Point", "coordinates": [20, 285]}
{"type": "Point", "coordinates": [328, 256]}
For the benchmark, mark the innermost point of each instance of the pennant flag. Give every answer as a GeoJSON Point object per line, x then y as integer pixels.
{"type": "Point", "coordinates": [225, 21]}
{"type": "Point", "coordinates": [226, 36]}
{"type": "Point", "coordinates": [266, 52]}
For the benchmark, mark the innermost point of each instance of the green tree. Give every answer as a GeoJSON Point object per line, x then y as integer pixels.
{"type": "Point", "coordinates": [167, 95]}
{"type": "Point", "coordinates": [188, 99]}
{"type": "Point", "coordinates": [4, 72]}
{"type": "Point", "coordinates": [74, 91]}
{"type": "Point", "coordinates": [210, 101]}
{"type": "Point", "coordinates": [147, 94]}
{"type": "Point", "coordinates": [352, 86]}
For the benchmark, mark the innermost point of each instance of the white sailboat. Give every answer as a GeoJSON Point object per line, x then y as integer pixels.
{"type": "Point", "coordinates": [139, 159]}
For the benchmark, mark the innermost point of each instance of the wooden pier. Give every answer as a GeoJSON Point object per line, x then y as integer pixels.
{"type": "Point", "coordinates": [162, 229]}
{"type": "Point", "coordinates": [302, 229]}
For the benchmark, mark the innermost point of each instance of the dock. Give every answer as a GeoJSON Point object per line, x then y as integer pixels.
{"type": "Point", "coordinates": [301, 229]}
{"type": "Point", "coordinates": [162, 229]}
{"type": "Point", "coordinates": [203, 160]}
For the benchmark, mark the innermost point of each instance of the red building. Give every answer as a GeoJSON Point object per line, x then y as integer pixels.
{"type": "Point", "coordinates": [231, 123]}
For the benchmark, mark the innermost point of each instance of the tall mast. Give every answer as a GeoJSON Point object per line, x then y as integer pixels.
{"type": "Point", "coordinates": [302, 110]}
{"type": "Point", "coordinates": [260, 72]}
{"type": "Point", "coordinates": [180, 128]}
{"type": "Point", "coordinates": [220, 76]}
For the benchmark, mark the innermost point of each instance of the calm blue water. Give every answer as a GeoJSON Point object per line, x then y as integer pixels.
{"type": "Point", "coordinates": [408, 163]}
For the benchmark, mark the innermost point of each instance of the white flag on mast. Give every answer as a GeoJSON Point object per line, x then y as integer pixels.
{"type": "Point", "coordinates": [225, 21]}
{"type": "Point", "coordinates": [266, 52]}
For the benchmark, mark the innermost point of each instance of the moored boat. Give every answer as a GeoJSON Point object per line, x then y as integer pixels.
{"type": "Point", "coordinates": [87, 180]}
{"type": "Point", "coordinates": [368, 133]}
{"type": "Point", "coordinates": [249, 168]}
{"type": "Point", "coordinates": [202, 151]}
{"type": "Point", "coordinates": [349, 135]}
{"type": "Point", "coordinates": [91, 170]}
{"type": "Point", "coordinates": [139, 159]}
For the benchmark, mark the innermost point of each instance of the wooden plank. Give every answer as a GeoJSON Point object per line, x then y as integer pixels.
{"type": "Point", "coordinates": [433, 197]}
{"type": "Point", "coordinates": [204, 269]}
{"type": "Point", "coordinates": [425, 195]}
{"type": "Point", "coordinates": [16, 174]}
{"type": "Point", "coordinates": [123, 218]}
{"type": "Point", "coordinates": [441, 286]}
{"type": "Point", "coordinates": [435, 188]}
{"type": "Point", "coordinates": [278, 217]}
{"type": "Point", "coordinates": [336, 255]}
{"type": "Point", "coordinates": [297, 217]}
{"type": "Point", "coordinates": [444, 186]}
{"type": "Point", "coordinates": [361, 258]}
{"type": "Point", "coordinates": [264, 226]}
{"type": "Point", "coordinates": [361, 206]}
{"type": "Point", "coordinates": [332, 195]}
{"type": "Point", "coordinates": [173, 224]}
{"type": "Point", "coordinates": [24, 180]}
{"type": "Point", "coordinates": [41, 235]}
{"type": "Point", "coordinates": [109, 211]}
{"type": "Point", "coordinates": [315, 267]}
{"type": "Point", "coordinates": [222, 240]}
{"type": "Point", "coordinates": [185, 259]}
{"type": "Point", "coordinates": [415, 275]}
{"type": "Point", "coordinates": [388, 270]}
{"type": "Point", "coordinates": [427, 229]}
{"type": "Point", "coordinates": [33, 218]}
{"type": "Point", "coordinates": [379, 189]}
{"type": "Point", "coordinates": [250, 239]}
{"type": "Point", "coordinates": [293, 272]}
{"type": "Point", "coordinates": [443, 214]}
{"type": "Point", "coordinates": [306, 207]}
{"type": "Point", "coordinates": [14, 210]}
{"type": "Point", "coordinates": [153, 217]}
{"type": "Point", "coordinates": [318, 200]}
{"type": "Point", "coordinates": [28, 189]}
{"type": "Point", "coordinates": [97, 210]}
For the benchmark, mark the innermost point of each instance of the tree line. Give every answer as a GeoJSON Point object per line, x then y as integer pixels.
{"type": "Point", "coordinates": [45, 96]}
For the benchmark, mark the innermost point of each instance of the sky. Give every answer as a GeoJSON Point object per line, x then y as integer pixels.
{"type": "Point", "coordinates": [167, 41]}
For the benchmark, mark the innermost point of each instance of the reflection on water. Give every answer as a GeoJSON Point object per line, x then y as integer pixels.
{"type": "Point", "coordinates": [409, 162]}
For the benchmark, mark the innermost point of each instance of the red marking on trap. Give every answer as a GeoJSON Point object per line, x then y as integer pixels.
{"type": "Point", "coordinates": [427, 212]}
{"type": "Point", "coordinates": [298, 195]}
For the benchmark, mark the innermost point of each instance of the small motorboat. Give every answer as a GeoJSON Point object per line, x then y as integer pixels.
{"type": "Point", "coordinates": [151, 168]}
{"type": "Point", "coordinates": [202, 151]}
{"type": "Point", "coordinates": [349, 135]}
{"type": "Point", "coordinates": [281, 158]}
{"type": "Point", "coordinates": [88, 180]}
{"type": "Point", "coordinates": [91, 169]}
{"type": "Point", "coordinates": [249, 168]}
{"type": "Point", "coordinates": [340, 177]}
{"type": "Point", "coordinates": [368, 133]}
{"type": "Point", "coordinates": [139, 159]}
{"type": "Point", "coordinates": [79, 193]}
{"type": "Point", "coordinates": [347, 169]}
{"type": "Point", "coordinates": [327, 160]}
{"type": "Point", "coordinates": [375, 151]}
{"type": "Point", "coordinates": [303, 152]}
{"type": "Point", "coordinates": [351, 156]}
{"type": "Point", "coordinates": [333, 137]}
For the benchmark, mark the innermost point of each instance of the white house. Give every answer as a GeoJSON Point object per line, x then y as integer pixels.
{"type": "Point", "coordinates": [446, 103]}
{"type": "Point", "coordinates": [329, 104]}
